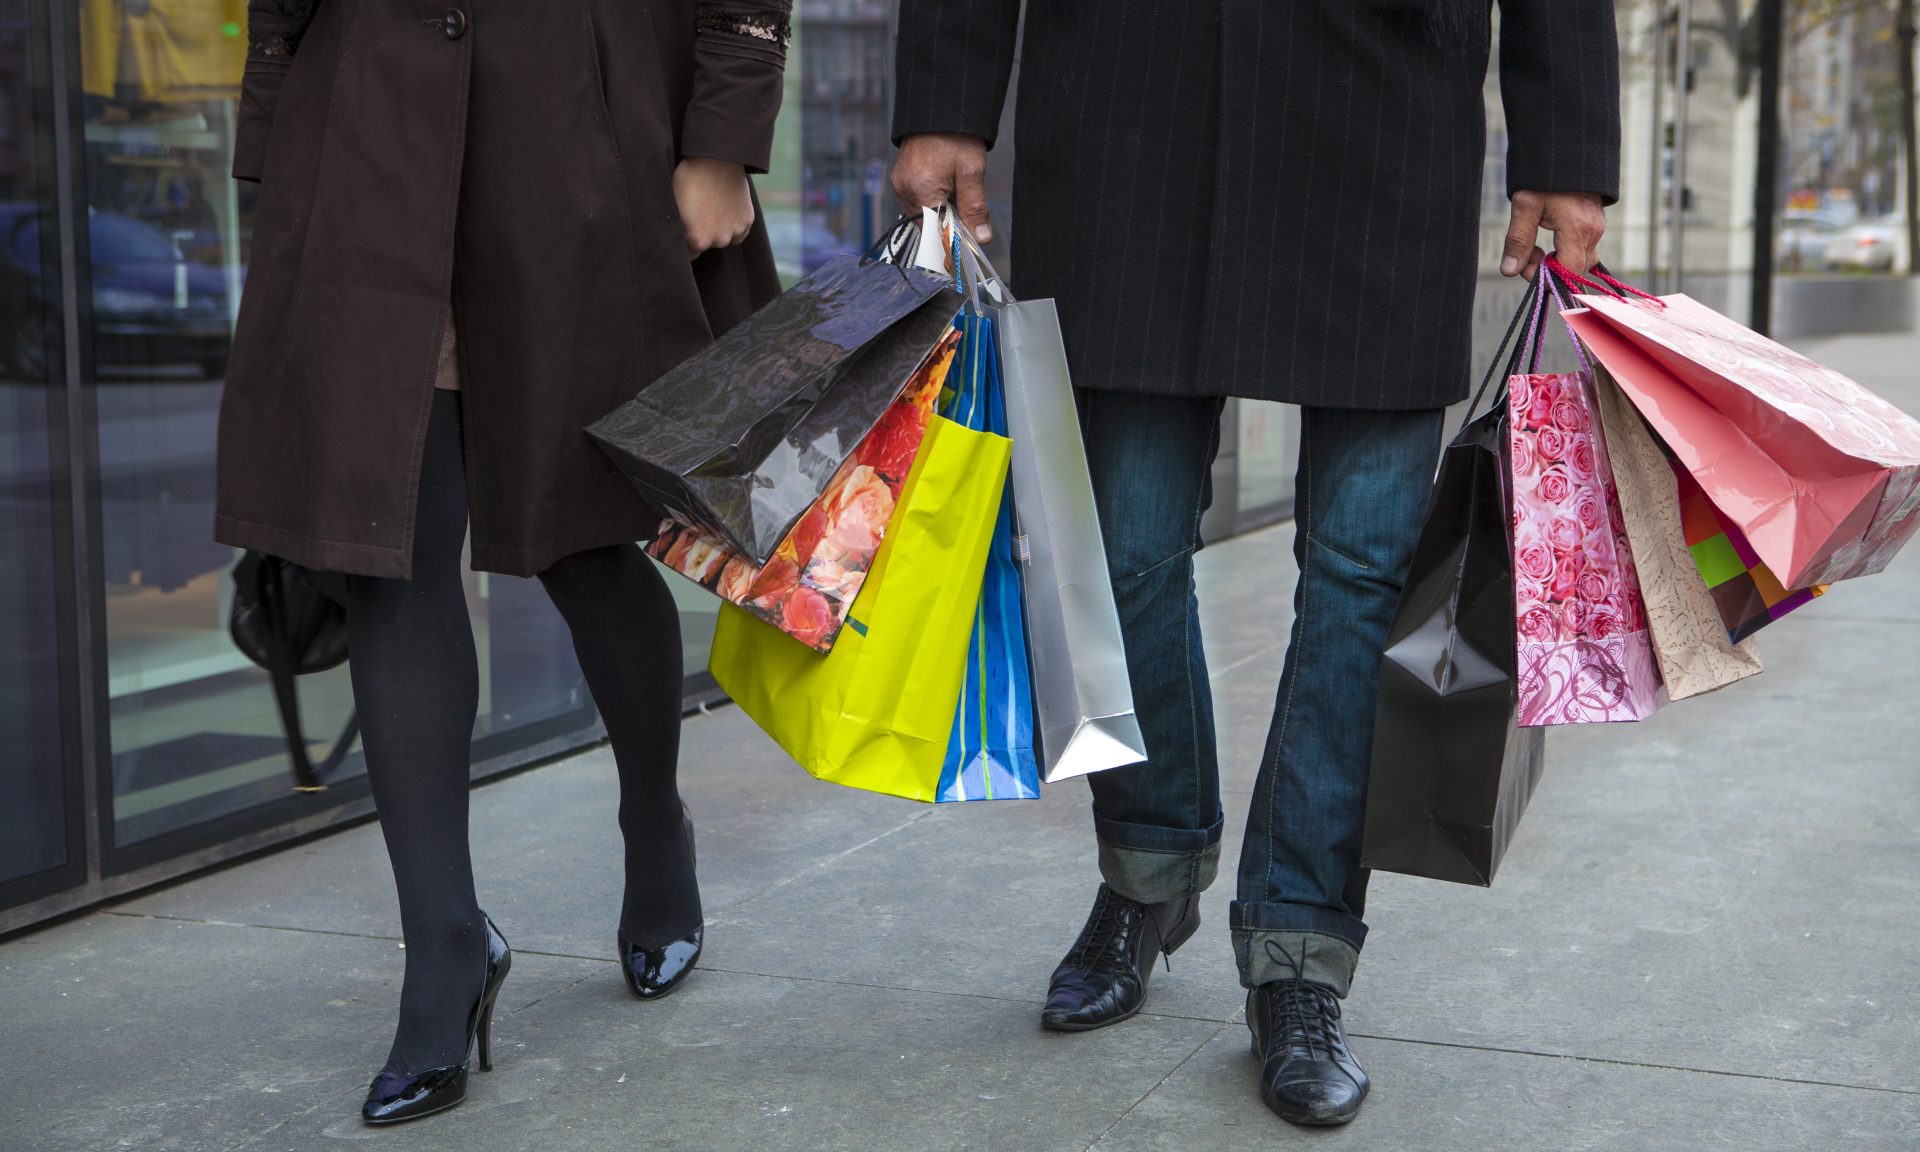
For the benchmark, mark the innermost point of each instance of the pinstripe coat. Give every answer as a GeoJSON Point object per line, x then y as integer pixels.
{"type": "Point", "coordinates": [1277, 199]}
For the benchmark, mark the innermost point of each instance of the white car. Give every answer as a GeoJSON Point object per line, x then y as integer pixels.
{"type": "Point", "coordinates": [1804, 236]}
{"type": "Point", "coordinates": [1870, 246]}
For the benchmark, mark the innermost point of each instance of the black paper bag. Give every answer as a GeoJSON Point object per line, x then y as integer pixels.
{"type": "Point", "coordinates": [1452, 772]}
{"type": "Point", "coordinates": [743, 437]}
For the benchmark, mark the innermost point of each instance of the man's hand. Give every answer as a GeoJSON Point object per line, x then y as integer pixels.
{"type": "Point", "coordinates": [715, 202]}
{"type": "Point", "coordinates": [1576, 219]}
{"type": "Point", "coordinates": [939, 168]}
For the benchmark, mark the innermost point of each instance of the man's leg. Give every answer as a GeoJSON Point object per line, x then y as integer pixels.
{"type": "Point", "coordinates": [1158, 822]}
{"type": "Point", "coordinates": [1364, 483]}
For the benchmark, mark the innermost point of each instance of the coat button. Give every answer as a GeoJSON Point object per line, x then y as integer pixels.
{"type": "Point", "coordinates": [455, 23]}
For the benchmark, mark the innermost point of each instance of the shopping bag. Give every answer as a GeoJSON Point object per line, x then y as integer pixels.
{"type": "Point", "coordinates": [1452, 770]}
{"type": "Point", "coordinates": [1585, 654]}
{"type": "Point", "coordinates": [1690, 642]}
{"type": "Point", "coordinates": [743, 437]}
{"type": "Point", "coordinates": [1820, 475]}
{"type": "Point", "coordinates": [808, 587]}
{"type": "Point", "coordinates": [1745, 591]}
{"type": "Point", "coordinates": [990, 754]}
{"type": "Point", "coordinates": [1082, 693]}
{"type": "Point", "coordinates": [877, 712]}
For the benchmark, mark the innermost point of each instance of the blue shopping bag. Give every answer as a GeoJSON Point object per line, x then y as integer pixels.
{"type": "Point", "coordinates": [991, 754]}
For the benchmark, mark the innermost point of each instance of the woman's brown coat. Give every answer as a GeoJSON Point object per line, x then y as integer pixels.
{"type": "Point", "coordinates": [515, 157]}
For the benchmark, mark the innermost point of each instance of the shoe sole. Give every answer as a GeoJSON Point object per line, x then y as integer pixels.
{"type": "Point", "coordinates": [1069, 1026]}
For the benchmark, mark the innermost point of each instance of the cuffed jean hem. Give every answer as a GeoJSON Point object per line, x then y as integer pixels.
{"type": "Point", "coordinates": [1154, 865]}
{"type": "Point", "coordinates": [1296, 942]}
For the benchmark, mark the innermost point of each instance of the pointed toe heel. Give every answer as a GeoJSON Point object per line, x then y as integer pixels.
{"type": "Point", "coordinates": [654, 972]}
{"type": "Point", "coordinates": [396, 1097]}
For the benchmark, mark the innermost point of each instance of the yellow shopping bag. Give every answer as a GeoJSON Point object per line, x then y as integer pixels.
{"type": "Point", "coordinates": [877, 711]}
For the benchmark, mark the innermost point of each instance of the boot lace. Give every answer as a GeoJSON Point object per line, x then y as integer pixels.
{"type": "Point", "coordinates": [1112, 916]}
{"type": "Point", "coordinates": [1302, 1015]}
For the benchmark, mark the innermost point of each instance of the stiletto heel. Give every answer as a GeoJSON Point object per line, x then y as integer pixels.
{"type": "Point", "coordinates": [397, 1096]}
{"type": "Point", "coordinates": [486, 1017]}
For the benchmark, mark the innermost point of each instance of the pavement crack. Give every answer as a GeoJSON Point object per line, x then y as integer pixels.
{"type": "Point", "coordinates": [244, 924]}
{"type": "Point", "coordinates": [1171, 1073]}
{"type": "Point", "coordinates": [344, 1094]}
{"type": "Point", "coordinates": [824, 863]}
{"type": "Point", "coordinates": [1642, 1064]}
{"type": "Point", "coordinates": [567, 987]}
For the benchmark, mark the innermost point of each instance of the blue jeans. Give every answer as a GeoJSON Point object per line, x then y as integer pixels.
{"type": "Point", "coordinates": [1361, 494]}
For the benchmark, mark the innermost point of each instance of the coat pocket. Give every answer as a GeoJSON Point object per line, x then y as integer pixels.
{"type": "Point", "coordinates": [599, 77]}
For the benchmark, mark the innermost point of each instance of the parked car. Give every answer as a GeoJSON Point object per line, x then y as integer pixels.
{"type": "Point", "coordinates": [1870, 246]}
{"type": "Point", "coordinates": [152, 305]}
{"type": "Point", "coordinates": [1804, 236]}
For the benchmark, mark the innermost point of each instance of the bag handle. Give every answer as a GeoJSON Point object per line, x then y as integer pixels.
{"type": "Point", "coordinates": [895, 246]}
{"type": "Point", "coordinates": [1530, 309]}
{"type": "Point", "coordinates": [268, 592]}
{"type": "Point", "coordinates": [1608, 285]}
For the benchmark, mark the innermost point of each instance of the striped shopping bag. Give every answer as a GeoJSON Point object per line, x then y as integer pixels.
{"type": "Point", "coordinates": [991, 753]}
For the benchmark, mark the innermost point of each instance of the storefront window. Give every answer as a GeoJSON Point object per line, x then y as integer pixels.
{"type": "Point", "coordinates": [33, 818]}
{"type": "Point", "coordinates": [194, 728]}
{"type": "Point", "coordinates": [828, 192]}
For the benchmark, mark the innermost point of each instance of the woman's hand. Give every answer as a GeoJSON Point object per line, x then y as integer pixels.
{"type": "Point", "coordinates": [715, 201]}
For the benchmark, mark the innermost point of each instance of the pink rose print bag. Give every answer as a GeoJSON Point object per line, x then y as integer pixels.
{"type": "Point", "coordinates": [1585, 653]}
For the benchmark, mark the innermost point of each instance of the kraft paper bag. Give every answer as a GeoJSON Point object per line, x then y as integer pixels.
{"type": "Point", "coordinates": [1689, 637]}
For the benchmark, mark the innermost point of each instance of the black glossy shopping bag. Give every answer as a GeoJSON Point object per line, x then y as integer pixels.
{"type": "Point", "coordinates": [742, 438]}
{"type": "Point", "coordinates": [1452, 772]}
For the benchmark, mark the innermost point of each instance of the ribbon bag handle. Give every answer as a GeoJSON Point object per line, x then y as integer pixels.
{"type": "Point", "coordinates": [1607, 285]}
{"type": "Point", "coordinates": [1531, 309]}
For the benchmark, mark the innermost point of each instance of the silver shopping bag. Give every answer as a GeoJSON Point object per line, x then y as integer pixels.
{"type": "Point", "coordinates": [1082, 697]}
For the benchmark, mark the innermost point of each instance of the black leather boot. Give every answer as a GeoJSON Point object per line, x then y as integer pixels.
{"type": "Point", "coordinates": [1103, 979]}
{"type": "Point", "coordinates": [1307, 1073]}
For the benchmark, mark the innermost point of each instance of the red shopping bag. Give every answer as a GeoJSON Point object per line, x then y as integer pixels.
{"type": "Point", "coordinates": [1821, 475]}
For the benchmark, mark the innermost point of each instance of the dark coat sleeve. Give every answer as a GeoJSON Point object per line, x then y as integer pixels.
{"type": "Point", "coordinates": [740, 57]}
{"type": "Point", "coordinates": [274, 28]}
{"type": "Point", "coordinates": [951, 66]}
{"type": "Point", "coordinates": [1560, 82]}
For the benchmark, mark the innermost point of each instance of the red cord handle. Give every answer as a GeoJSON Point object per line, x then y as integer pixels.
{"type": "Point", "coordinates": [1612, 287]}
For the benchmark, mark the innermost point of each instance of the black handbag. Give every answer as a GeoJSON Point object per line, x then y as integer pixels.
{"type": "Point", "coordinates": [292, 621]}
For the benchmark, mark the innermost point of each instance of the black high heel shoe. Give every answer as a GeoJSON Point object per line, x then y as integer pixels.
{"type": "Point", "coordinates": [653, 972]}
{"type": "Point", "coordinates": [397, 1096]}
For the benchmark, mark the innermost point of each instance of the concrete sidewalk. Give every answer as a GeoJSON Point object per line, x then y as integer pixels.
{"type": "Point", "coordinates": [1703, 937]}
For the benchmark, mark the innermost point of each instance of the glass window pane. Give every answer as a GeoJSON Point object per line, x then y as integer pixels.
{"type": "Point", "coordinates": [33, 819]}
{"type": "Point", "coordinates": [1269, 454]}
{"type": "Point", "coordinates": [195, 731]}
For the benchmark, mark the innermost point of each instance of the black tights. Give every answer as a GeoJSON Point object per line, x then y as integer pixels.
{"type": "Point", "coordinates": [416, 682]}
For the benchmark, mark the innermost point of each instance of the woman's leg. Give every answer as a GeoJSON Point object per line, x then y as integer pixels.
{"type": "Point", "coordinates": [416, 683]}
{"type": "Point", "coordinates": [626, 631]}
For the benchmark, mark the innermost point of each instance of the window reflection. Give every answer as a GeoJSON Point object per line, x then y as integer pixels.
{"type": "Point", "coordinates": [33, 818]}
{"type": "Point", "coordinates": [195, 733]}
